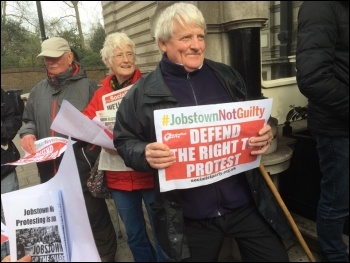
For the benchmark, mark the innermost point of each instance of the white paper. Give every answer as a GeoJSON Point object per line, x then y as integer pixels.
{"type": "Point", "coordinates": [210, 142]}
{"type": "Point", "coordinates": [107, 117]}
{"type": "Point", "coordinates": [71, 122]}
{"type": "Point", "coordinates": [46, 149]}
{"type": "Point", "coordinates": [38, 222]}
{"type": "Point", "coordinates": [81, 244]}
{"type": "Point", "coordinates": [112, 100]}
{"type": "Point", "coordinates": [112, 162]}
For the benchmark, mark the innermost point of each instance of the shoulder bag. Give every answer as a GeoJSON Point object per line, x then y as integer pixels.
{"type": "Point", "coordinates": [97, 182]}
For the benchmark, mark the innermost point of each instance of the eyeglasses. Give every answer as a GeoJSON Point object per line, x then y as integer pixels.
{"type": "Point", "coordinates": [129, 55]}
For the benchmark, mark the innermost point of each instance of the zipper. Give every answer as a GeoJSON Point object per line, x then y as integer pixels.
{"type": "Point", "coordinates": [194, 94]}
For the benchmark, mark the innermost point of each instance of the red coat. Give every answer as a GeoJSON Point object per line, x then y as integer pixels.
{"type": "Point", "coordinates": [128, 180]}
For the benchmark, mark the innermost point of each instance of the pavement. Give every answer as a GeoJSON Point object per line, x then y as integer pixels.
{"type": "Point", "coordinates": [28, 176]}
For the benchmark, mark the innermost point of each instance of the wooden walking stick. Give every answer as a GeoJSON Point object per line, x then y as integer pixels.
{"type": "Point", "coordinates": [286, 212]}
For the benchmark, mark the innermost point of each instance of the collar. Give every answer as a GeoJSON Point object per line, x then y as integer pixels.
{"type": "Point", "coordinates": [58, 80]}
{"type": "Point", "coordinates": [177, 70]}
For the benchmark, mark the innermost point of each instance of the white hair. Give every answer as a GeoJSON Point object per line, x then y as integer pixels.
{"type": "Point", "coordinates": [113, 41]}
{"type": "Point", "coordinates": [183, 13]}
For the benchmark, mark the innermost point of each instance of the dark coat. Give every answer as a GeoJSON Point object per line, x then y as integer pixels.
{"type": "Point", "coordinates": [322, 61]}
{"type": "Point", "coordinates": [134, 129]}
{"type": "Point", "coordinates": [11, 121]}
{"type": "Point", "coordinates": [44, 103]}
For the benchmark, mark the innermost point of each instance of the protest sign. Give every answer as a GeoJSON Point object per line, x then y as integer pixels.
{"type": "Point", "coordinates": [46, 149]}
{"type": "Point", "coordinates": [112, 100]}
{"type": "Point", "coordinates": [61, 199]}
{"type": "Point", "coordinates": [210, 142]}
{"type": "Point", "coordinates": [38, 223]}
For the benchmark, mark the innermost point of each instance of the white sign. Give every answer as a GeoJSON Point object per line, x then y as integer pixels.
{"type": "Point", "coordinates": [210, 142]}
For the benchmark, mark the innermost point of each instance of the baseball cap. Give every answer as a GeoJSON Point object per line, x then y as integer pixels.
{"type": "Point", "coordinates": [54, 47]}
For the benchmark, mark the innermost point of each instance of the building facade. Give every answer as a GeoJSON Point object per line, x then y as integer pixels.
{"type": "Point", "coordinates": [263, 32]}
{"type": "Point", "coordinates": [277, 31]}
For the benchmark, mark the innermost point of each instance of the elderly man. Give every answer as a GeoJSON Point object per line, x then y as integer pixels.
{"type": "Point", "coordinates": [66, 80]}
{"type": "Point", "coordinates": [206, 214]}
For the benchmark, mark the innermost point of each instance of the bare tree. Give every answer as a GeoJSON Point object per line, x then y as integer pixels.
{"type": "Point", "coordinates": [20, 13]}
{"type": "Point", "coordinates": [3, 12]}
{"type": "Point", "coordinates": [74, 4]}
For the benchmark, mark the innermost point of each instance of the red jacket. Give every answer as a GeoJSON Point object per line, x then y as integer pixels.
{"type": "Point", "coordinates": [128, 180]}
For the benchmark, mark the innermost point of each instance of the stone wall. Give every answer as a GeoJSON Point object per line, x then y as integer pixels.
{"type": "Point", "coordinates": [26, 78]}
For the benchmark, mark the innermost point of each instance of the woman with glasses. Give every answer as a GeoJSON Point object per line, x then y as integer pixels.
{"type": "Point", "coordinates": [129, 188]}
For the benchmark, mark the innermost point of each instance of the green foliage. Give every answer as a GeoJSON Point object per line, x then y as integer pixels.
{"type": "Point", "coordinates": [9, 61]}
{"type": "Point", "coordinates": [92, 60]}
{"type": "Point", "coordinates": [20, 47]}
{"type": "Point", "coordinates": [97, 39]}
{"type": "Point", "coordinates": [296, 113]}
{"type": "Point", "coordinates": [13, 38]}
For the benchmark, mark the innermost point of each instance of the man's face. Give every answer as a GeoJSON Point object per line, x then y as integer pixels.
{"type": "Point", "coordinates": [58, 65]}
{"type": "Point", "coordinates": [186, 46]}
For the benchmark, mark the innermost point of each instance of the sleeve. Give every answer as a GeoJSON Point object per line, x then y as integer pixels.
{"type": "Point", "coordinates": [315, 57]}
{"type": "Point", "coordinates": [29, 126]}
{"type": "Point", "coordinates": [128, 132]}
{"type": "Point", "coordinates": [93, 106]}
{"type": "Point", "coordinates": [93, 88]}
{"type": "Point", "coordinates": [11, 119]}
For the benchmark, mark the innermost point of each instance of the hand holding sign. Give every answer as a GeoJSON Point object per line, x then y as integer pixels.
{"type": "Point", "coordinates": [209, 143]}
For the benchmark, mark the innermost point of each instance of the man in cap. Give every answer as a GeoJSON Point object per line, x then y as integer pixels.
{"type": "Point", "coordinates": [54, 47]}
{"type": "Point", "coordinates": [66, 80]}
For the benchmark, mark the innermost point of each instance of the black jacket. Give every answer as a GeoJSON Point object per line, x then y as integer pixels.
{"type": "Point", "coordinates": [11, 121]}
{"type": "Point", "coordinates": [322, 61]}
{"type": "Point", "coordinates": [134, 129]}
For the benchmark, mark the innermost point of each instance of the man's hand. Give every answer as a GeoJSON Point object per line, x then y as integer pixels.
{"type": "Point", "coordinates": [263, 140]}
{"type": "Point", "coordinates": [159, 156]}
{"type": "Point", "coordinates": [27, 143]}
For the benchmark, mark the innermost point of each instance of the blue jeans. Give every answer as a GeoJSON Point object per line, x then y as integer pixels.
{"type": "Point", "coordinates": [129, 206]}
{"type": "Point", "coordinates": [333, 206]}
